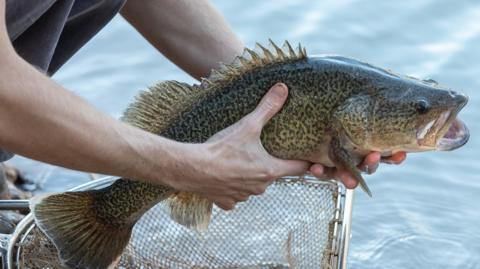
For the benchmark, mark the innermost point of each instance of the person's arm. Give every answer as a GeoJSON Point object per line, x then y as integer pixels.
{"type": "Point", "coordinates": [41, 120]}
{"type": "Point", "coordinates": [192, 34]}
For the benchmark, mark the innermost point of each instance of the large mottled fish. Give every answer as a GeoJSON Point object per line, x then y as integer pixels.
{"type": "Point", "coordinates": [338, 110]}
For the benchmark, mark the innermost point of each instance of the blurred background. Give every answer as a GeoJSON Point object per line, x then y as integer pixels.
{"type": "Point", "coordinates": [423, 213]}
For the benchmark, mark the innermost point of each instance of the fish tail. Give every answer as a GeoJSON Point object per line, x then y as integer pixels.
{"type": "Point", "coordinates": [190, 210]}
{"type": "Point", "coordinates": [83, 239]}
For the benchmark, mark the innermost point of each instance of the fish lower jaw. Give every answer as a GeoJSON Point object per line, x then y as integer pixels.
{"type": "Point", "coordinates": [443, 134]}
{"type": "Point", "coordinates": [456, 136]}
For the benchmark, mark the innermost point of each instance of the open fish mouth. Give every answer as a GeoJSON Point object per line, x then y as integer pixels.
{"type": "Point", "coordinates": [456, 136]}
{"type": "Point", "coordinates": [448, 131]}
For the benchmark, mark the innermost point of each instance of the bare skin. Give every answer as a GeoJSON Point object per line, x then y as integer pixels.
{"type": "Point", "coordinates": [192, 34]}
{"type": "Point", "coordinates": [42, 120]}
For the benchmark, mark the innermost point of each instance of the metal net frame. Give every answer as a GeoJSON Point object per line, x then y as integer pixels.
{"type": "Point", "coordinates": [299, 222]}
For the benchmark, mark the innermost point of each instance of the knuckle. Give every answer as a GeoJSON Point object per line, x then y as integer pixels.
{"type": "Point", "coordinates": [259, 190]}
{"type": "Point", "coordinates": [242, 198]}
{"type": "Point", "coordinates": [252, 125]}
{"type": "Point", "coordinates": [270, 173]}
{"type": "Point", "coordinates": [223, 206]}
{"type": "Point", "coordinates": [226, 204]}
{"type": "Point", "coordinates": [270, 104]}
{"type": "Point", "coordinates": [230, 205]}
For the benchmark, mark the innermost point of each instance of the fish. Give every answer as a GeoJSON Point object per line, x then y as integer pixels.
{"type": "Point", "coordinates": [338, 110]}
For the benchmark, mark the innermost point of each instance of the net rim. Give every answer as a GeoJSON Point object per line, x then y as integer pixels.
{"type": "Point", "coordinates": [341, 222]}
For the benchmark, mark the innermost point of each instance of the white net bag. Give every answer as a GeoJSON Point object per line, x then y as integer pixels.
{"type": "Point", "coordinates": [296, 223]}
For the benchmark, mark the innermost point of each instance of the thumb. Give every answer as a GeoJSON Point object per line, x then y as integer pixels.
{"type": "Point", "coordinates": [270, 104]}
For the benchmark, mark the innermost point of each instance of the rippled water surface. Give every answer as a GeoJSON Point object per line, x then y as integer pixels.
{"type": "Point", "coordinates": [424, 214]}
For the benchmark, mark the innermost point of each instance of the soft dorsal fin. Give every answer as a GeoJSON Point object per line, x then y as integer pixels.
{"type": "Point", "coordinates": [154, 109]}
{"type": "Point", "coordinates": [251, 59]}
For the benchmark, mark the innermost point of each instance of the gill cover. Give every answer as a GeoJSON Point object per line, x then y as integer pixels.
{"type": "Point", "coordinates": [351, 125]}
{"type": "Point", "coordinates": [353, 117]}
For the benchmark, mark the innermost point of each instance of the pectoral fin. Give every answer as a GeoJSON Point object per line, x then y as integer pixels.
{"type": "Point", "coordinates": [344, 160]}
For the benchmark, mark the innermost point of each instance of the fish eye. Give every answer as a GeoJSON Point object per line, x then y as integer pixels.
{"type": "Point", "coordinates": [422, 106]}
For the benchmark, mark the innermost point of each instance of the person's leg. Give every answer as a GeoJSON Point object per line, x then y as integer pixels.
{"type": "Point", "coordinates": [85, 20]}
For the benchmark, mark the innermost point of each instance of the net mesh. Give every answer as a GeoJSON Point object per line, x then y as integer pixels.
{"type": "Point", "coordinates": [290, 226]}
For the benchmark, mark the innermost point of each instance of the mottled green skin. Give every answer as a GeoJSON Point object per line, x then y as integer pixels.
{"type": "Point", "coordinates": [332, 100]}
{"type": "Point", "coordinates": [125, 201]}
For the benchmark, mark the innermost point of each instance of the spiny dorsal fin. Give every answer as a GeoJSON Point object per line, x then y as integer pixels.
{"type": "Point", "coordinates": [266, 53]}
{"type": "Point", "coordinates": [257, 60]}
{"type": "Point", "coordinates": [251, 59]}
{"type": "Point", "coordinates": [288, 47]}
{"type": "Point", "coordinates": [154, 109]}
{"type": "Point", "coordinates": [278, 50]}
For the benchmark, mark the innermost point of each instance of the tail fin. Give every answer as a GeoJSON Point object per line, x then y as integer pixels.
{"type": "Point", "coordinates": [82, 238]}
{"type": "Point", "coordinates": [190, 210]}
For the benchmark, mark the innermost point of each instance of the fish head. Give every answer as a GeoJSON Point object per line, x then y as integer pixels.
{"type": "Point", "coordinates": [403, 114]}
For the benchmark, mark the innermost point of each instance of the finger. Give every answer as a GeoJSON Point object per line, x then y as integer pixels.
{"type": "Point", "coordinates": [370, 163]}
{"type": "Point", "coordinates": [270, 104]}
{"type": "Point", "coordinates": [252, 188]}
{"type": "Point", "coordinates": [317, 170]}
{"type": "Point", "coordinates": [329, 172]}
{"type": "Point", "coordinates": [241, 197]}
{"type": "Point", "coordinates": [225, 203]}
{"type": "Point", "coordinates": [396, 158]}
{"type": "Point", "coordinates": [290, 168]}
{"type": "Point", "coordinates": [347, 179]}
{"type": "Point", "coordinates": [321, 172]}
{"type": "Point", "coordinates": [259, 189]}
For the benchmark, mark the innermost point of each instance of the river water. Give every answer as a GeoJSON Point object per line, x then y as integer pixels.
{"type": "Point", "coordinates": [424, 212]}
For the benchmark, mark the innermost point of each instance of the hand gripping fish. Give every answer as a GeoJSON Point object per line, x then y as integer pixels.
{"type": "Point", "coordinates": [338, 110]}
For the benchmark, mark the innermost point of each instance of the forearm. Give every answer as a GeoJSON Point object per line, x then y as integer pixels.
{"type": "Point", "coordinates": [192, 34]}
{"type": "Point", "coordinates": [41, 120]}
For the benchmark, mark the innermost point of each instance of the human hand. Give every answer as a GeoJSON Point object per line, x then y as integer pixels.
{"type": "Point", "coordinates": [233, 164]}
{"type": "Point", "coordinates": [369, 166]}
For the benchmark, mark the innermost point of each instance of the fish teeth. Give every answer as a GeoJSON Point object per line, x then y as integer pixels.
{"type": "Point", "coordinates": [442, 120]}
{"type": "Point", "coordinates": [425, 130]}
{"type": "Point", "coordinates": [437, 124]}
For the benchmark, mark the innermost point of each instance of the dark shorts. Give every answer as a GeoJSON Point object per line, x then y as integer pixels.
{"type": "Point", "coordinates": [46, 33]}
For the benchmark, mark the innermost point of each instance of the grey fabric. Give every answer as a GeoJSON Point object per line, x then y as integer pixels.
{"type": "Point", "coordinates": [5, 155]}
{"type": "Point", "coordinates": [47, 33]}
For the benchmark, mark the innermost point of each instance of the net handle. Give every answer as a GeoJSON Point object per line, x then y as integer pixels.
{"type": "Point", "coordinates": [346, 228]}
{"type": "Point", "coordinates": [14, 204]}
